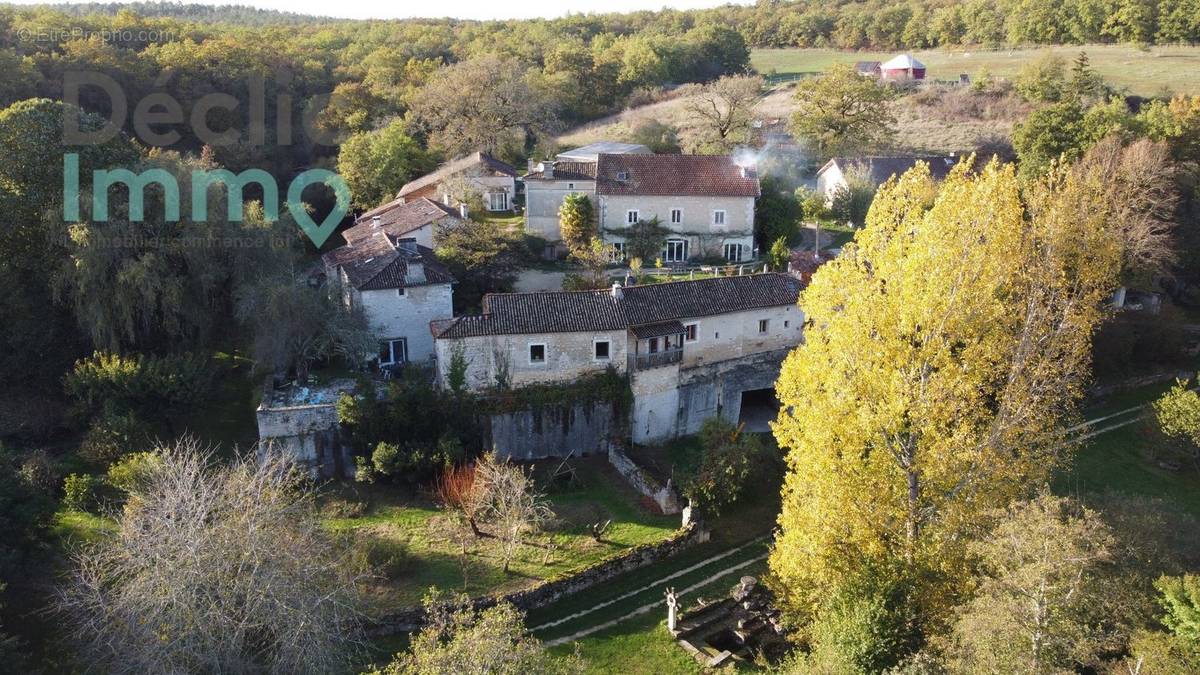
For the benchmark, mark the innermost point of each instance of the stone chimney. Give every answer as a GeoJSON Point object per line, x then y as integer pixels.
{"type": "Point", "coordinates": [463, 210]}
{"type": "Point", "coordinates": [547, 169]}
{"type": "Point", "coordinates": [375, 221]}
{"type": "Point", "coordinates": [616, 292]}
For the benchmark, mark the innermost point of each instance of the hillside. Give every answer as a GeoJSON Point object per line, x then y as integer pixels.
{"type": "Point", "coordinates": [1143, 72]}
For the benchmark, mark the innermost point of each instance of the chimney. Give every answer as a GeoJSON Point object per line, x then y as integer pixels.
{"type": "Point", "coordinates": [462, 210]}
{"type": "Point", "coordinates": [375, 221]}
{"type": "Point", "coordinates": [548, 169]}
{"type": "Point", "coordinates": [617, 293]}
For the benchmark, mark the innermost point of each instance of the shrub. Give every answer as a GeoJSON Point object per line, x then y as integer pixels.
{"type": "Point", "coordinates": [343, 508]}
{"type": "Point", "coordinates": [728, 459]}
{"type": "Point", "coordinates": [864, 626]}
{"type": "Point", "coordinates": [389, 558]}
{"type": "Point", "coordinates": [79, 492]}
{"type": "Point", "coordinates": [133, 471]}
{"type": "Point", "coordinates": [113, 433]}
{"type": "Point", "coordinates": [139, 382]}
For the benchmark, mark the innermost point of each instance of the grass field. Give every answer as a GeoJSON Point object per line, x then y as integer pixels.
{"type": "Point", "coordinates": [1143, 72]}
{"type": "Point", "coordinates": [431, 537]}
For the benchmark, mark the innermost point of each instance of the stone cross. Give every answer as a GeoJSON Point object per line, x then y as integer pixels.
{"type": "Point", "coordinates": [672, 606]}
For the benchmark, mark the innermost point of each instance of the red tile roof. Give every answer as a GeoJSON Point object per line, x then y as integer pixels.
{"type": "Point", "coordinates": [675, 175]}
{"type": "Point", "coordinates": [398, 219]}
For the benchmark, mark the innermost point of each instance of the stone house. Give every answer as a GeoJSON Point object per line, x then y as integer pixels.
{"type": "Point", "coordinates": [835, 174]}
{"type": "Point", "coordinates": [705, 202]}
{"type": "Point", "coordinates": [495, 181]}
{"type": "Point", "coordinates": [393, 278]}
{"type": "Point", "coordinates": [692, 348]}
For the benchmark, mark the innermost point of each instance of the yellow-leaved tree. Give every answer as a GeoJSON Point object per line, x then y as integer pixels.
{"type": "Point", "coordinates": [944, 348]}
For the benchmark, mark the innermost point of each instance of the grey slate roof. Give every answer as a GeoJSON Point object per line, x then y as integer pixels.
{"type": "Point", "coordinates": [484, 160]}
{"type": "Point", "coordinates": [567, 171]}
{"type": "Point", "coordinates": [880, 169]}
{"type": "Point", "coordinates": [592, 311]}
{"type": "Point", "coordinates": [591, 151]}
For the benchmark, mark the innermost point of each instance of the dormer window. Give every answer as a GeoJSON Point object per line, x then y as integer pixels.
{"type": "Point", "coordinates": [623, 176]}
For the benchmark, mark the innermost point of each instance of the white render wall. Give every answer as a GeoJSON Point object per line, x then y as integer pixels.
{"type": "Point", "coordinates": [830, 180]}
{"type": "Point", "coordinates": [568, 356]}
{"type": "Point", "coordinates": [391, 315]}
{"type": "Point", "coordinates": [704, 238]}
{"type": "Point", "coordinates": [542, 199]}
{"type": "Point", "coordinates": [730, 336]}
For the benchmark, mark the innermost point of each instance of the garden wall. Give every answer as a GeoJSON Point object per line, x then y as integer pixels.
{"type": "Point", "coordinates": [554, 430]}
{"type": "Point", "coordinates": [412, 619]}
{"type": "Point", "coordinates": [639, 479]}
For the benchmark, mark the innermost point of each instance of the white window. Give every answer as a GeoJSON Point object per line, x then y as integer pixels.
{"type": "Point", "coordinates": [719, 217]}
{"type": "Point", "coordinates": [676, 216]}
{"type": "Point", "coordinates": [631, 217]}
{"type": "Point", "coordinates": [763, 325]}
{"type": "Point", "coordinates": [497, 201]}
{"type": "Point", "coordinates": [691, 331]}
{"type": "Point", "coordinates": [733, 252]}
{"type": "Point", "coordinates": [393, 351]}
{"type": "Point", "coordinates": [537, 353]}
{"type": "Point", "coordinates": [675, 251]}
{"type": "Point", "coordinates": [601, 349]}
{"type": "Point", "coordinates": [617, 252]}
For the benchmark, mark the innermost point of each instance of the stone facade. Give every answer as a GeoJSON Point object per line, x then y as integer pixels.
{"type": "Point", "coordinates": [392, 315]}
{"type": "Point", "coordinates": [567, 357]}
{"type": "Point", "coordinates": [555, 431]}
{"type": "Point", "coordinates": [697, 221]}
{"type": "Point", "coordinates": [542, 200]}
{"type": "Point", "coordinates": [302, 422]}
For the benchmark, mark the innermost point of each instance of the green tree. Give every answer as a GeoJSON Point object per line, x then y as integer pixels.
{"type": "Point", "coordinates": [1085, 85]}
{"type": "Point", "coordinates": [1180, 597]}
{"type": "Point", "coordinates": [1042, 79]}
{"type": "Point", "coordinates": [1040, 590]}
{"type": "Point", "coordinates": [1047, 135]}
{"type": "Point", "coordinates": [776, 213]}
{"type": "Point", "coordinates": [841, 111]}
{"type": "Point", "coordinates": [1178, 413]}
{"type": "Point", "coordinates": [377, 163]}
{"type": "Point", "coordinates": [576, 220]}
{"type": "Point", "coordinates": [779, 254]}
{"type": "Point", "coordinates": [483, 259]}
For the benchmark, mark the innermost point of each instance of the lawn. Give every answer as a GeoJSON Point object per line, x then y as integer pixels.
{"type": "Point", "coordinates": [1142, 72]}
{"type": "Point", "coordinates": [433, 538]}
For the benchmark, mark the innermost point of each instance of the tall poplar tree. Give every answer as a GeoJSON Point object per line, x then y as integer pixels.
{"type": "Point", "coordinates": [943, 350]}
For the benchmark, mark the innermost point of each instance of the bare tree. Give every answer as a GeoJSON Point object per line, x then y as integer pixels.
{"type": "Point", "coordinates": [215, 568]}
{"type": "Point", "coordinates": [1139, 189]}
{"type": "Point", "coordinates": [719, 114]}
{"type": "Point", "coordinates": [514, 506]}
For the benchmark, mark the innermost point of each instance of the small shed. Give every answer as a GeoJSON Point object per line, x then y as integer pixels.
{"type": "Point", "coordinates": [868, 68]}
{"type": "Point", "coordinates": [903, 67]}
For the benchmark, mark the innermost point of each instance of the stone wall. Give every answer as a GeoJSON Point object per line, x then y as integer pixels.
{"type": "Point", "coordinates": [310, 433]}
{"type": "Point", "coordinates": [707, 391]}
{"type": "Point", "coordinates": [639, 479]}
{"type": "Point", "coordinates": [412, 619]}
{"type": "Point", "coordinates": [555, 430]}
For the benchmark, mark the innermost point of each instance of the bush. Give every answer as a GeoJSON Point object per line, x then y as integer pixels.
{"type": "Point", "coordinates": [79, 492]}
{"type": "Point", "coordinates": [864, 627]}
{"type": "Point", "coordinates": [133, 471]}
{"type": "Point", "coordinates": [138, 382]}
{"type": "Point", "coordinates": [113, 433]}
{"type": "Point", "coordinates": [335, 507]}
{"type": "Point", "coordinates": [729, 457]}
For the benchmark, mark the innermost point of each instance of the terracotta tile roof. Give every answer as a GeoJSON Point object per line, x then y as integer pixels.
{"type": "Point", "coordinates": [398, 219]}
{"type": "Point", "coordinates": [684, 175]}
{"type": "Point", "coordinates": [379, 262]}
{"type": "Point", "coordinates": [489, 163]}
{"type": "Point", "coordinates": [567, 171]}
{"type": "Point", "coordinates": [591, 311]}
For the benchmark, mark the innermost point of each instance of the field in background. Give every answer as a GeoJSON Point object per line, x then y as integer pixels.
{"type": "Point", "coordinates": [1142, 72]}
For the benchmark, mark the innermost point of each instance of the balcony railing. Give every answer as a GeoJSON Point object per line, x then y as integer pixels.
{"type": "Point", "coordinates": [659, 359]}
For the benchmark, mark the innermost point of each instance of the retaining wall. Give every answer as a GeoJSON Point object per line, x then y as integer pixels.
{"type": "Point", "coordinates": [412, 619]}
{"type": "Point", "coordinates": [555, 431]}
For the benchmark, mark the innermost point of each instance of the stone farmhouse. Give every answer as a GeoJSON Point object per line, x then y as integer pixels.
{"type": "Point", "coordinates": [835, 175]}
{"type": "Point", "coordinates": [706, 202]}
{"type": "Point", "coordinates": [693, 349]}
{"type": "Point", "coordinates": [388, 270]}
{"type": "Point", "coordinates": [495, 181]}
